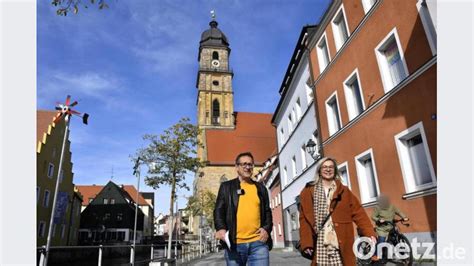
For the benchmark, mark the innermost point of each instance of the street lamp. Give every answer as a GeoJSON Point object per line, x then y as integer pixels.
{"type": "Point", "coordinates": [311, 148]}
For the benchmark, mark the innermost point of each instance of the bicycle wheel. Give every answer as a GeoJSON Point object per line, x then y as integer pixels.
{"type": "Point", "coordinates": [406, 258]}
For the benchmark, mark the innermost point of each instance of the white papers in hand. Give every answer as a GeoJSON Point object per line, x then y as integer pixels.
{"type": "Point", "coordinates": [227, 241]}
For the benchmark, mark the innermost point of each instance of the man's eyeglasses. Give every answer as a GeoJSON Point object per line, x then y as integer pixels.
{"type": "Point", "coordinates": [246, 165]}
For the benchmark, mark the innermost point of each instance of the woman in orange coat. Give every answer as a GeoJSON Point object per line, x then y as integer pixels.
{"type": "Point", "coordinates": [327, 211]}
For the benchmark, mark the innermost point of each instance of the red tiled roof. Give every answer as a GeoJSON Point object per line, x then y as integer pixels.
{"type": "Point", "coordinates": [43, 119]}
{"type": "Point", "coordinates": [253, 132]}
{"type": "Point", "coordinates": [92, 191]}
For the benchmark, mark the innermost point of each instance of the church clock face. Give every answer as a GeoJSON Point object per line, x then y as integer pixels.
{"type": "Point", "coordinates": [215, 63]}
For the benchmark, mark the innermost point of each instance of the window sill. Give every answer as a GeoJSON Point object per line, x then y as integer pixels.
{"type": "Point", "coordinates": [369, 204]}
{"type": "Point", "coordinates": [420, 193]}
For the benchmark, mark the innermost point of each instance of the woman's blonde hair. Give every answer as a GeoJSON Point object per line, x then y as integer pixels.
{"type": "Point", "coordinates": [319, 164]}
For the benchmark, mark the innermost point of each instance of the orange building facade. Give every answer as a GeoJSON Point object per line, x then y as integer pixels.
{"type": "Point", "coordinates": [373, 69]}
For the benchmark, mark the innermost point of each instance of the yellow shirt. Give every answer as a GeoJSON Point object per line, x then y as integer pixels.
{"type": "Point", "coordinates": [248, 214]}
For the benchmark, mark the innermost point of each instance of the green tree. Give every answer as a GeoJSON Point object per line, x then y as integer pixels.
{"type": "Point", "coordinates": [202, 204]}
{"type": "Point", "coordinates": [171, 156]}
{"type": "Point", "coordinates": [66, 6]}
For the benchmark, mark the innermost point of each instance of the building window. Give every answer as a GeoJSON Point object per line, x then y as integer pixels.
{"type": "Point", "coordinates": [367, 5]}
{"type": "Point", "coordinates": [298, 109]}
{"type": "Point", "coordinates": [290, 124]}
{"type": "Point", "coordinates": [107, 216]}
{"type": "Point", "coordinates": [112, 201]}
{"type": "Point", "coordinates": [427, 10]}
{"type": "Point", "coordinates": [61, 176]}
{"type": "Point", "coordinates": [215, 112]}
{"type": "Point", "coordinates": [54, 230]}
{"type": "Point", "coordinates": [279, 198]}
{"type": "Point", "coordinates": [46, 198]}
{"type": "Point", "coordinates": [120, 236]}
{"type": "Point", "coordinates": [415, 159]}
{"type": "Point", "coordinates": [282, 136]}
{"type": "Point", "coordinates": [50, 170]}
{"type": "Point", "coordinates": [279, 229]}
{"type": "Point", "coordinates": [344, 174]}
{"type": "Point", "coordinates": [294, 221]}
{"type": "Point", "coordinates": [226, 114]}
{"type": "Point", "coordinates": [106, 201]}
{"type": "Point", "coordinates": [340, 28]}
{"type": "Point", "coordinates": [293, 164]}
{"type": "Point", "coordinates": [63, 229]}
{"type": "Point", "coordinates": [303, 157]}
{"type": "Point", "coordinates": [215, 55]}
{"type": "Point", "coordinates": [367, 176]}
{"type": "Point", "coordinates": [333, 114]}
{"type": "Point", "coordinates": [41, 229]}
{"type": "Point", "coordinates": [309, 91]}
{"type": "Point", "coordinates": [285, 175]}
{"type": "Point", "coordinates": [91, 199]}
{"type": "Point", "coordinates": [353, 92]}
{"type": "Point", "coordinates": [215, 83]}
{"type": "Point", "coordinates": [391, 61]}
{"type": "Point", "coordinates": [119, 216]}
{"type": "Point", "coordinates": [323, 53]}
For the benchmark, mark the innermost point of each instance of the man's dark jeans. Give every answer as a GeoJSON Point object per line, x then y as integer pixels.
{"type": "Point", "coordinates": [254, 253]}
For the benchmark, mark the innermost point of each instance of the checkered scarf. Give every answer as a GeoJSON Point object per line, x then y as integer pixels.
{"type": "Point", "coordinates": [327, 246]}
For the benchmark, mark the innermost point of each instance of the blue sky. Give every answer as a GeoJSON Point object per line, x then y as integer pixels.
{"type": "Point", "coordinates": [133, 69]}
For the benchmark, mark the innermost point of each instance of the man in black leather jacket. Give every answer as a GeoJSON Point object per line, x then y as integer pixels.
{"type": "Point", "coordinates": [247, 226]}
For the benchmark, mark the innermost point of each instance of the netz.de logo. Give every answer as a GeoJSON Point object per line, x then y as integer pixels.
{"type": "Point", "coordinates": [364, 248]}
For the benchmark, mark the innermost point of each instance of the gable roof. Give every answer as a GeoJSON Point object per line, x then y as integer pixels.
{"type": "Point", "coordinates": [253, 132]}
{"type": "Point", "coordinates": [91, 191]}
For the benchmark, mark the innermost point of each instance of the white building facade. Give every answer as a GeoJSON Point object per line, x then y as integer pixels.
{"type": "Point", "coordinates": [295, 122]}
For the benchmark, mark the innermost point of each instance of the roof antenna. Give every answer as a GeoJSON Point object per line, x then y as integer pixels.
{"type": "Point", "coordinates": [112, 176]}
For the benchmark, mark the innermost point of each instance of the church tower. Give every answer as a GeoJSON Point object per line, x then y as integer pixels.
{"type": "Point", "coordinates": [215, 103]}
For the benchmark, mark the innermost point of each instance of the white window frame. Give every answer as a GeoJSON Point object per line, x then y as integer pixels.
{"type": "Point", "coordinates": [44, 196]}
{"type": "Point", "coordinates": [330, 120]}
{"type": "Point", "coordinates": [282, 135]}
{"type": "Point", "coordinates": [50, 170]}
{"type": "Point", "coordinates": [293, 165]}
{"type": "Point", "coordinates": [279, 229]}
{"type": "Point", "coordinates": [304, 163]}
{"type": "Point", "coordinates": [404, 158]}
{"type": "Point", "coordinates": [349, 95]}
{"type": "Point", "coordinates": [322, 64]}
{"type": "Point", "coordinates": [299, 113]}
{"type": "Point", "coordinates": [285, 175]}
{"type": "Point", "coordinates": [279, 198]}
{"type": "Point", "coordinates": [309, 94]}
{"type": "Point", "coordinates": [361, 177]}
{"type": "Point", "coordinates": [382, 62]}
{"type": "Point", "coordinates": [335, 28]}
{"type": "Point", "coordinates": [345, 165]}
{"type": "Point", "coordinates": [290, 124]}
{"type": "Point", "coordinates": [367, 6]}
{"type": "Point", "coordinates": [428, 25]}
{"type": "Point", "coordinates": [41, 232]}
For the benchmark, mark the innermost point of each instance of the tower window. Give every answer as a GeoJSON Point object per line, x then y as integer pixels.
{"type": "Point", "coordinates": [215, 55]}
{"type": "Point", "coordinates": [215, 83]}
{"type": "Point", "coordinates": [215, 112]}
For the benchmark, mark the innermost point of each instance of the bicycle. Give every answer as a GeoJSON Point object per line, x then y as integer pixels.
{"type": "Point", "coordinates": [394, 238]}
